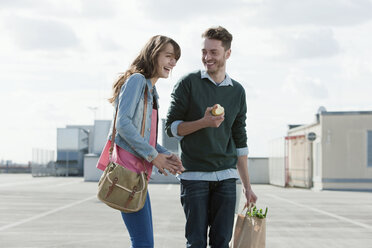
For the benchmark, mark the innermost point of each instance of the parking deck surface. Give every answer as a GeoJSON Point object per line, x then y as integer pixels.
{"type": "Point", "coordinates": [64, 212]}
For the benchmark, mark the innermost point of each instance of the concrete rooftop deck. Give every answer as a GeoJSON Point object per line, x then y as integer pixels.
{"type": "Point", "coordinates": [64, 212]}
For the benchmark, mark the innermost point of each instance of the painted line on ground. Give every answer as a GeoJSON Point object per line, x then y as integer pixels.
{"type": "Point", "coordinates": [27, 182]}
{"type": "Point", "coordinates": [64, 184]}
{"type": "Point", "coordinates": [38, 216]}
{"type": "Point", "coordinates": [323, 212]}
{"type": "Point", "coordinates": [40, 181]}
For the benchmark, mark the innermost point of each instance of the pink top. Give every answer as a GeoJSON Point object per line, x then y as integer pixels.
{"type": "Point", "coordinates": [126, 158]}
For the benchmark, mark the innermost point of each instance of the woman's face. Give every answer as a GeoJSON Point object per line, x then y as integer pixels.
{"type": "Point", "coordinates": [166, 61]}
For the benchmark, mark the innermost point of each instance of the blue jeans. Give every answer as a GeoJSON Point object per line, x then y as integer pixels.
{"type": "Point", "coordinates": [208, 204]}
{"type": "Point", "coordinates": [139, 225]}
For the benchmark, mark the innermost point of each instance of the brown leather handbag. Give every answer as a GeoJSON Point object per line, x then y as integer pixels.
{"type": "Point", "coordinates": [119, 187]}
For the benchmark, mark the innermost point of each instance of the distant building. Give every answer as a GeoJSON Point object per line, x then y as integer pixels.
{"type": "Point", "coordinates": [335, 152]}
{"type": "Point", "coordinates": [74, 141]}
{"type": "Point", "coordinates": [99, 137]}
{"type": "Point", "coordinates": [72, 144]}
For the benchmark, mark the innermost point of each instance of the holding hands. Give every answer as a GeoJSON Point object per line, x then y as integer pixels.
{"type": "Point", "coordinates": [170, 163]}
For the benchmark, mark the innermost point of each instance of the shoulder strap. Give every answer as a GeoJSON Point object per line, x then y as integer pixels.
{"type": "Point", "coordinates": [114, 126]}
{"type": "Point", "coordinates": [144, 114]}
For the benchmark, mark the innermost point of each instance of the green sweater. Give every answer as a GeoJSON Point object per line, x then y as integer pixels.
{"type": "Point", "coordinates": [209, 149]}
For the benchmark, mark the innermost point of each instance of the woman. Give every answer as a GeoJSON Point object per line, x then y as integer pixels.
{"type": "Point", "coordinates": [156, 60]}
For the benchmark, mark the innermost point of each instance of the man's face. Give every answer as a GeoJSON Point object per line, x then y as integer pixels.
{"type": "Point", "coordinates": [214, 56]}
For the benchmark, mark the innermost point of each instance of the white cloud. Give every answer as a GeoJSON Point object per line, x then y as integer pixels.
{"type": "Point", "coordinates": [22, 4]}
{"type": "Point", "coordinates": [98, 9]}
{"type": "Point", "coordinates": [108, 44]}
{"type": "Point", "coordinates": [41, 34]}
{"type": "Point", "coordinates": [298, 83]}
{"type": "Point", "coordinates": [179, 11]}
{"type": "Point", "coordinates": [310, 43]}
{"type": "Point", "coordinates": [67, 8]}
{"type": "Point", "coordinates": [357, 69]}
{"type": "Point", "coordinates": [315, 12]}
{"type": "Point", "coordinates": [356, 59]}
{"type": "Point", "coordinates": [52, 82]}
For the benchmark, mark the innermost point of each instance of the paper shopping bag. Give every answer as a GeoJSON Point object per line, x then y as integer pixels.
{"type": "Point", "coordinates": [250, 232]}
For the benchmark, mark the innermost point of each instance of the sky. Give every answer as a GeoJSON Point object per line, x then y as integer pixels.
{"type": "Point", "coordinates": [59, 59]}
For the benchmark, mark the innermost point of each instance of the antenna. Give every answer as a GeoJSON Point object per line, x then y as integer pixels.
{"type": "Point", "coordinates": [94, 110]}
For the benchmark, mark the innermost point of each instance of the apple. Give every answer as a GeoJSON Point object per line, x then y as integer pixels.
{"type": "Point", "coordinates": [218, 110]}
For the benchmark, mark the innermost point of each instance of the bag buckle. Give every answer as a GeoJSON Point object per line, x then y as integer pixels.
{"type": "Point", "coordinates": [111, 188]}
{"type": "Point", "coordinates": [131, 196]}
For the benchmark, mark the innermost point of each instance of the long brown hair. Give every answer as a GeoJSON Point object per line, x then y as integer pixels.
{"type": "Point", "coordinates": [146, 61]}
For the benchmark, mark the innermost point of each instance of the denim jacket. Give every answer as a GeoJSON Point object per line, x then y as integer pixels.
{"type": "Point", "coordinates": [130, 114]}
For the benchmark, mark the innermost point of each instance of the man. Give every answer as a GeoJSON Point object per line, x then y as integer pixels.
{"type": "Point", "coordinates": [212, 146]}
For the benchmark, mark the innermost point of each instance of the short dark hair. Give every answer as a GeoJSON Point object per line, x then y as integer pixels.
{"type": "Point", "coordinates": [219, 33]}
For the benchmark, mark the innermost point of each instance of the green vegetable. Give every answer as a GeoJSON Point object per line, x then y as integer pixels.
{"type": "Point", "coordinates": [257, 213]}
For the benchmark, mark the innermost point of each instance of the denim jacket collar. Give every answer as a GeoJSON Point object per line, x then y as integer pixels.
{"type": "Point", "coordinates": [152, 91]}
